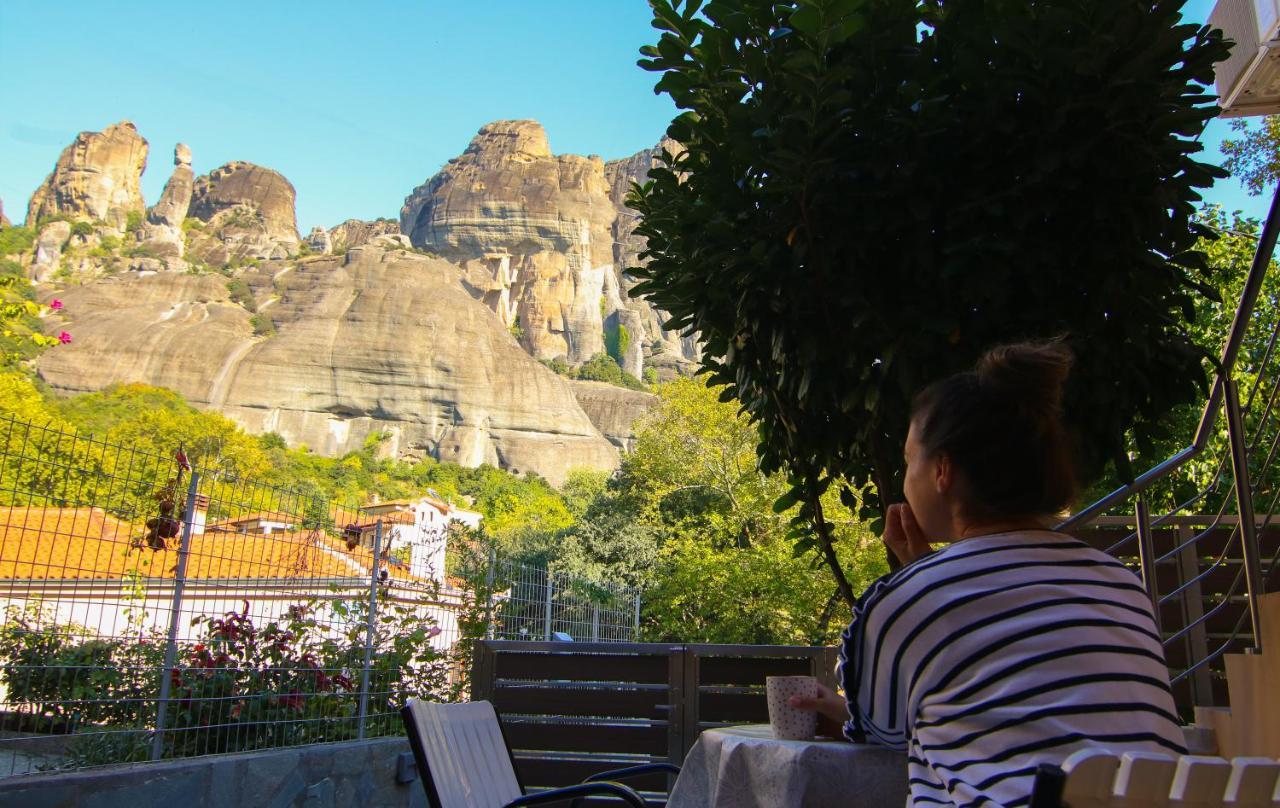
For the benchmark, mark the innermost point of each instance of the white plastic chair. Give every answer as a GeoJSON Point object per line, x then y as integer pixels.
{"type": "Point", "coordinates": [464, 761]}
{"type": "Point", "coordinates": [1098, 778]}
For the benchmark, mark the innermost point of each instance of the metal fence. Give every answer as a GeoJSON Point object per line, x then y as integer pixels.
{"type": "Point", "coordinates": [154, 610]}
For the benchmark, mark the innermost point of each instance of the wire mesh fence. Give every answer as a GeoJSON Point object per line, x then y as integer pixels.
{"type": "Point", "coordinates": [154, 610]}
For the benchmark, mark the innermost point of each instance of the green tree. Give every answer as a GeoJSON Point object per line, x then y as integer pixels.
{"type": "Point", "coordinates": [1253, 156]}
{"type": "Point", "coordinates": [873, 192]}
{"type": "Point", "coordinates": [689, 518]}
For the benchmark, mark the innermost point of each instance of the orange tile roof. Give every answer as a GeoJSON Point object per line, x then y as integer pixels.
{"type": "Point", "coordinates": [259, 516]}
{"type": "Point", "coordinates": [85, 543]}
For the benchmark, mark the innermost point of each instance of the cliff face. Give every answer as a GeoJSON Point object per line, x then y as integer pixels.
{"type": "Point", "coordinates": [527, 251]}
{"type": "Point", "coordinates": [96, 179]}
{"type": "Point", "coordinates": [668, 352]}
{"type": "Point", "coordinates": [378, 340]}
{"type": "Point", "coordinates": [531, 232]}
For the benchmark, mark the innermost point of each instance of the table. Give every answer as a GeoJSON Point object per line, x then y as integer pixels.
{"type": "Point", "coordinates": [746, 767]}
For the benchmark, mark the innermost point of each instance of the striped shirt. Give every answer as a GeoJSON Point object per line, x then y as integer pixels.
{"type": "Point", "coordinates": [997, 653]}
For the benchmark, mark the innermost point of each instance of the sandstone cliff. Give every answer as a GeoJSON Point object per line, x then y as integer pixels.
{"type": "Point", "coordinates": [354, 232]}
{"type": "Point", "coordinates": [96, 179]}
{"type": "Point", "coordinates": [614, 410]}
{"type": "Point", "coordinates": [377, 340]}
{"type": "Point", "coordinates": [531, 231]}
{"type": "Point", "coordinates": [239, 184]}
{"type": "Point", "coordinates": [543, 240]}
{"type": "Point", "coordinates": [163, 230]}
{"type": "Point", "coordinates": [666, 351]}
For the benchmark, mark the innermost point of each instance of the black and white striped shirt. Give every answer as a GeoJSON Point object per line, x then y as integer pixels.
{"type": "Point", "coordinates": [1000, 652]}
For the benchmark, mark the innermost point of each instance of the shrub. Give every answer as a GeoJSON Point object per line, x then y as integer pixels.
{"type": "Point", "coordinates": [81, 229]}
{"type": "Point", "coordinates": [133, 221]}
{"type": "Point", "coordinates": [15, 240]}
{"type": "Point", "coordinates": [240, 293]}
{"type": "Point", "coordinates": [617, 341]}
{"type": "Point", "coordinates": [558, 365]}
{"type": "Point", "coordinates": [263, 325]}
{"type": "Point", "coordinates": [602, 368]}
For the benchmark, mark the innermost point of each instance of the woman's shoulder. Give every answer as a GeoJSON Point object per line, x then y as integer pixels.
{"type": "Point", "coordinates": [1013, 553]}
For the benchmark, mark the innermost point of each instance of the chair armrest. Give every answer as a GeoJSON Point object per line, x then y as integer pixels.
{"type": "Point", "coordinates": [633, 771]}
{"type": "Point", "coordinates": [1047, 788]}
{"type": "Point", "coordinates": [581, 790]}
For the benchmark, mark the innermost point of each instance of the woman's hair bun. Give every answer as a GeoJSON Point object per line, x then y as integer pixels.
{"type": "Point", "coordinates": [1032, 373]}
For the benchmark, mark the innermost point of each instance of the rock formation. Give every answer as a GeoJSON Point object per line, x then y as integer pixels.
{"type": "Point", "coordinates": [319, 240]}
{"type": "Point", "coordinates": [532, 232]}
{"type": "Point", "coordinates": [666, 351]}
{"type": "Point", "coordinates": [96, 179]}
{"type": "Point", "coordinates": [376, 340]}
{"type": "Point", "coordinates": [47, 256]}
{"type": "Point", "coordinates": [354, 232]}
{"type": "Point", "coordinates": [616, 411]}
{"type": "Point", "coordinates": [239, 184]}
{"type": "Point", "coordinates": [4, 220]}
{"type": "Point", "coordinates": [163, 230]}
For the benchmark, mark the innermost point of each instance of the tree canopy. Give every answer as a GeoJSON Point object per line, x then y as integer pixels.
{"type": "Point", "coordinates": [873, 192]}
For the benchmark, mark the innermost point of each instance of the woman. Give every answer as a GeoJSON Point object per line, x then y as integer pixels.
{"type": "Point", "coordinates": [1014, 645]}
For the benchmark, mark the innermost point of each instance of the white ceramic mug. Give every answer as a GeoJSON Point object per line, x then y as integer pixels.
{"type": "Point", "coordinates": [787, 722]}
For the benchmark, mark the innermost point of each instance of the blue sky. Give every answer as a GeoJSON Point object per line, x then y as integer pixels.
{"type": "Point", "coordinates": [355, 103]}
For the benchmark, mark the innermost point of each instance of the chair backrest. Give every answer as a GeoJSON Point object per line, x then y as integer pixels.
{"type": "Point", "coordinates": [1097, 778]}
{"type": "Point", "coordinates": [462, 756]}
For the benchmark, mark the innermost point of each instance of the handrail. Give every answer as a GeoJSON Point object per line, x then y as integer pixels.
{"type": "Point", "coordinates": [1226, 364]}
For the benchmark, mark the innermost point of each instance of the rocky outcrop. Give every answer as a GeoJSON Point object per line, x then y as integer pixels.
{"type": "Point", "coordinates": [616, 411]}
{"type": "Point", "coordinates": [4, 220]}
{"type": "Point", "coordinates": [175, 200]}
{"type": "Point", "coordinates": [162, 233]}
{"type": "Point", "coordinates": [531, 231]}
{"type": "Point", "coordinates": [47, 257]}
{"type": "Point", "coordinates": [378, 340]}
{"type": "Point", "coordinates": [239, 184]}
{"type": "Point", "coordinates": [666, 351]}
{"type": "Point", "coordinates": [354, 232]}
{"type": "Point", "coordinates": [319, 241]}
{"type": "Point", "coordinates": [96, 179]}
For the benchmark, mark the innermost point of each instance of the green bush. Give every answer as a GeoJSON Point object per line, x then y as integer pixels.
{"type": "Point", "coordinates": [616, 342]}
{"type": "Point", "coordinates": [81, 229]}
{"type": "Point", "coordinates": [263, 325]}
{"type": "Point", "coordinates": [602, 368]}
{"type": "Point", "coordinates": [559, 366]}
{"type": "Point", "coordinates": [133, 221]}
{"type": "Point", "coordinates": [15, 240]}
{"type": "Point", "coordinates": [240, 293]}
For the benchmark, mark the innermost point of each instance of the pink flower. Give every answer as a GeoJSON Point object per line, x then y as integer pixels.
{"type": "Point", "coordinates": [55, 304]}
{"type": "Point", "coordinates": [64, 338]}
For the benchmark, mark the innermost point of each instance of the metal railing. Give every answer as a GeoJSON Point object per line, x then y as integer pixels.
{"type": "Point", "coordinates": [154, 610]}
{"type": "Point", "coordinates": [1227, 472]}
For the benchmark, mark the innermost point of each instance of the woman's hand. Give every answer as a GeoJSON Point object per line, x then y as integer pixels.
{"type": "Point", "coordinates": [902, 534]}
{"type": "Point", "coordinates": [831, 708]}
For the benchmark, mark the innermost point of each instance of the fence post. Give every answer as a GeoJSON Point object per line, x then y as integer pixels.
{"type": "Point", "coordinates": [1147, 557]}
{"type": "Point", "coordinates": [369, 628]}
{"type": "Point", "coordinates": [546, 625]}
{"type": "Point", "coordinates": [175, 614]}
{"type": "Point", "coordinates": [1244, 500]}
{"type": "Point", "coordinates": [635, 621]}
{"type": "Point", "coordinates": [489, 628]}
{"type": "Point", "coordinates": [595, 622]}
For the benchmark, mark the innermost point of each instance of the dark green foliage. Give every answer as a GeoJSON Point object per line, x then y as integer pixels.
{"type": "Point", "coordinates": [602, 368]}
{"type": "Point", "coordinates": [616, 342]}
{"type": "Point", "coordinates": [874, 192]}
{"type": "Point", "coordinates": [15, 240]}
{"type": "Point", "coordinates": [263, 325]}
{"type": "Point", "coordinates": [82, 229]}
{"type": "Point", "coordinates": [241, 294]}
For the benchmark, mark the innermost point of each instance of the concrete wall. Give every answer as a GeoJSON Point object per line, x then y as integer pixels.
{"type": "Point", "coordinates": [319, 776]}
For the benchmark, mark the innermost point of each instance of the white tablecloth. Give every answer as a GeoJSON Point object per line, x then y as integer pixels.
{"type": "Point", "coordinates": [746, 767]}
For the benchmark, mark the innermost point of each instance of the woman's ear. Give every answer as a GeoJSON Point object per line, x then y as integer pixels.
{"type": "Point", "coordinates": [943, 474]}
